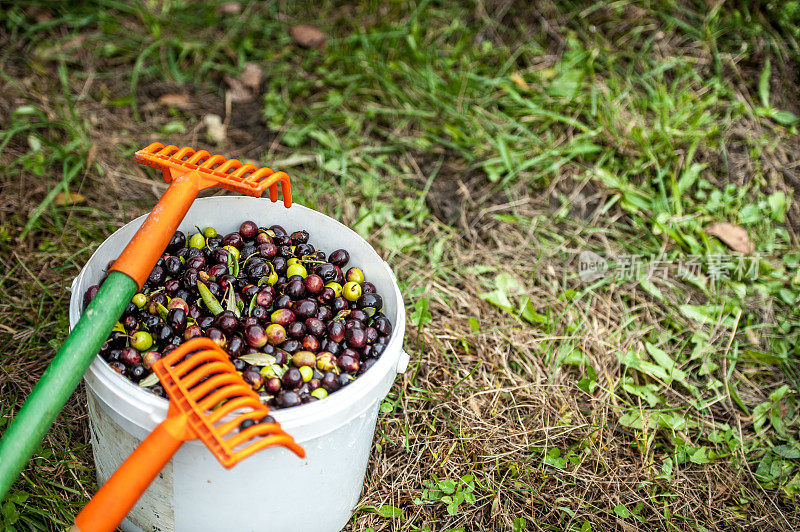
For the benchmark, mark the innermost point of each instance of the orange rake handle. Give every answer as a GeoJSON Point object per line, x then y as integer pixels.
{"type": "Point", "coordinates": [114, 500]}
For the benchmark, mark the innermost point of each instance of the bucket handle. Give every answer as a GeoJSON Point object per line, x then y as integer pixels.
{"type": "Point", "coordinates": [402, 362]}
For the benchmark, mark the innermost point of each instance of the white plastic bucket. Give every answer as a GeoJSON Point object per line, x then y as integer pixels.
{"type": "Point", "coordinates": [273, 489]}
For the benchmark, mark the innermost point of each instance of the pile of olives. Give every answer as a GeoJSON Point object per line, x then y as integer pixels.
{"type": "Point", "coordinates": [297, 324]}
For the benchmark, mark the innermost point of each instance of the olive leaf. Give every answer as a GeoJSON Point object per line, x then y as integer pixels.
{"type": "Point", "coordinates": [150, 380]}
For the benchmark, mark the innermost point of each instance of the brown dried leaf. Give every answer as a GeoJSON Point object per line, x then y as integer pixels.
{"type": "Point", "coordinates": [308, 36]}
{"type": "Point", "coordinates": [734, 236]}
{"type": "Point", "coordinates": [237, 90]}
{"type": "Point", "coordinates": [70, 198]}
{"type": "Point", "coordinates": [251, 76]}
{"type": "Point", "coordinates": [179, 100]}
{"type": "Point", "coordinates": [230, 8]}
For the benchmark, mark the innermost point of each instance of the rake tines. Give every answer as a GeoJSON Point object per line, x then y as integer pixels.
{"type": "Point", "coordinates": [203, 383]}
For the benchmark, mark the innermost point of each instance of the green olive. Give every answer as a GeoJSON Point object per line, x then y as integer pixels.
{"type": "Point", "coordinates": [233, 251]}
{"type": "Point", "coordinates": [306, 372]}
{"type": "Point", "coordinates": [141, 341]}
{"type": "Point", "coordinates": [292, 261]}
{"type": "Point", "coordinates": [355, 275]}
{"type": "Point", "coordinates": [320, 393]}
{"type": "Point", "coordinates": [197, 241]}
{"type": "Point", "coordinates": [337, 288]}
{"type": "Point", "coordinates": [140, 300]}
{"type": "Point", "coordinates": [296, 269]}
{"type": "Point", "coordinates": [209, 232]}
{"type": "Point", "coordinates": [351, 291]}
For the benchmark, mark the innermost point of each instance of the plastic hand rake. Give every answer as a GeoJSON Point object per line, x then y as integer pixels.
{"type": "Point", "coordinates": [188, 172]}
{"type": "Point", "coordinates": [197, 377]}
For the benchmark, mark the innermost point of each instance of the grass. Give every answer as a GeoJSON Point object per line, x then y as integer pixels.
{"type": "Point", "coordinates": [481, 148]}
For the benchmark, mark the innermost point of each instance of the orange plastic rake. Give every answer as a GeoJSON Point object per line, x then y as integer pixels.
{"type": "Point", "coordinates": [197, 376]}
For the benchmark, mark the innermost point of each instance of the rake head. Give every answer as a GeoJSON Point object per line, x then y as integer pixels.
{"type": "Point", "coordinates": [203, 384]}
{"type": "Point", "coordinates": [217, 170]}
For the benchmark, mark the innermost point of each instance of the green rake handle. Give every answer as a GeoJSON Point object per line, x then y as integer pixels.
{"type": "Point", "coordinates": [48, 397]}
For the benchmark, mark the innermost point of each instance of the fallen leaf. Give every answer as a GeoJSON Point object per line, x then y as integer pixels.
{"type": "Point", "coordinates": [734, 236]}
{"type": "Point", "coordinates": [251, 76]}
{"type": "Point", "coordinates": [230, 8]}
{"type": "Point", "coordinates": [518, 81]}
{"type": "Point", "coordinates": [179, 100]}
{"type": "Point", "coordinates": [215, 129]}
{"type": "Point", "coordinates": [308, 36]}
{"type": "Point", "coordinates": [70, 198]}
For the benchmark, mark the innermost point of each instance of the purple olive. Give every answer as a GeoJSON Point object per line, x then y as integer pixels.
{"type": "Point", "coordinates": [336, 330]}
{"type": "Point", "coordinates": [296, 329]}
{"type": "Point", "coordinates": [315, 327]}
{"type": "Point", "coordinates": [339, 258]}
{"type": "Point", "coordinates": [248, 229]}
{"type": "Point", "coordinates": [255, 335]}
{"type": "Point", "coordinates": [347, 363]}
{"type": "Point", "coordinates": [282, 317]}
{"type": "Point", "coordinates": [314, 284]}
{"type": "Point", "coordinates": [235, 347]}
{"type": "Point", "coordinates": [355, 338]}
{"type": "Point", "coordinates": [232, 239]}
{"type": "Point", "coordinates": [305, 308]}
{"type": "Point", "coordinates": [311, 343]}
{"type": "Point", "coordinates": [292, 378]}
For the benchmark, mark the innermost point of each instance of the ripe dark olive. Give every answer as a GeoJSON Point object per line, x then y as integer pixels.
{"type": "Point", "coordinates": [299, 237]}
{"type": "Point", "coordinates": [305, 308]}
{"type": "Point", "coordinates": [264, 298]}
{"type": "Point", "coordinates": [217, 270]}
{"type": "Point", "coordinates": [345, 379]}
{"type": "Point", "coordinates": [278, 230]}
{"type": "Point", "coordinates": [315, 327]}
{"type": "Point", "coordinates": [292, 378]}
{"type": "Point", "coordinates": [281, 356]}
{"type": "Point", "coordinates": [172, 286]}
{"type": "Point", "coordinates": [355, 338]}
{"type": "Point", "coordinates": [303, 250]}
{"type": "Point", "coordinates": [226, 321]}
{"type": "Point", "coordinates": [367, 288]}
{"type": "Point", "coordinates": [192, 252]}
{"type": "Point", "coordinates": [295, 289]}
{"type": "Point", "coordinates": [262, 238]}
{"type": "Point", "coordinates": [371, 335]}
{"type": "Point", "coordinates": [217, 336]}
{"type": "Point", "coordinates": [156, 275]}
{"type": "Point", "coordinates": [326, 271]}
{"type": "Point", "coordinates": [257, 268]}
{"type": "Point", "coordinates": [232, 239]}
{"type": "Point", "coordinates": [119, 367]}
{"type": "Point", "coordinates": [172, 265]}
{"type": "Point", "coordinates": [310, 343]}
{"type": "Point", "coordinates": [176, 318]}
{"type": "Point", "coordinates": [89, 295]}
{"type": "Point", "coordinates": [314, 284]}
{"type": "Point", "coordinates": [366, 352]}
{"type": "Point", "coordinates": [130, 323]}
{"type": "Point", "coordinates": [248, 249]}
{"type": "Point", "coordinates": [330, 381]}
{"type": "Point", "coordinates": [291, 345]}
{"type": "Point", "coordinates": [255, 335]}
{"type": "Point", "coordinates": [205, 322]}
{"type": "Point", "coordinates": [334, 347]}
{"type": "Point", "coordinates": [137, 372]}
{"type": "Point", "coordinates": [358, 315]}
{"type": "Point", "coordinates": [378, 349]}
{"type": "Point", "coordinates": [339, 258]}
{"type": "Point", "coordinates": [336, 331]}
{"type": "Point", "coordinates": [272, 385]}
{"type": "Point", "coordinates": [325, 314]}
{"type": "Point", "coordinates": [280, 265]}
{"type": "Point", "coordinates": [366, 365]}
{"type": "Point", "coordinates": [235, 347]}
{"type": "Point", "coordinates": [268, 250]}
{"type": "Point", "coordinates": [177, 241]}
{"type": "Point", "coordinates": [190, 279]}
{"type": "Point", "coordinates": [347, 363]}
{"type": "Point", "coordinates": [130, 356]}
{"type": "Point", "coordinates": [339, 304]}
{"type": "Point", "coordinates": [382, 325]}
{"type": "Point", "coordinates": [285, 252]}
{"type": "Point", "coordinates": [370, 303]}
{"type": "Point", "coordinates": [246, 424]}
{"type": "Point", "coordinates": [249, 290]}
{"type": "Point", "coordinates": [248, 229]}
{"type": "Point", "coordinates": [350, 352]}
{"type": "Point", "coordinates": [282, 240]}
{"type": "Point", "coordinates": [192, 331]}
{"type": "Point", "coordinates": [353, 324]}
{"type": "Point", "coordinates": [253, 378]}
{"type": "Point", "coordinates": [260, 313]}
{"type": "Point", "coordinates": [162, 332]}
{"type": "Point", "coordinates": [220, 256]}
{"type": "Point", "coordinates": [326, 295]}
{"type": "Point", "coordinates": [198, 263]}
{"type": "Point", "coordinates": [287, 399]}
{"type": "Point", "coordinates": [239, 364]}
{"type": "Point", "coordinates": [296, 329]}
